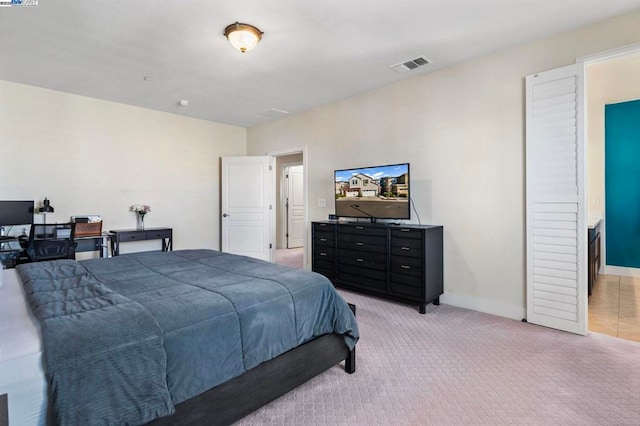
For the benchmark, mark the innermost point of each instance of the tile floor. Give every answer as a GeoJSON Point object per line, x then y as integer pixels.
{"type": "Point", "coordinates": [614, 307]}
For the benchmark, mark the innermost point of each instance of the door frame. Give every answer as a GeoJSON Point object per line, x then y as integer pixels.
{"type": "Point", "coordinates": [284, 220]}
{"type": "Point", "coordinates": [305, 159]}
{"type": "Point", "coordinates": [584, 62]}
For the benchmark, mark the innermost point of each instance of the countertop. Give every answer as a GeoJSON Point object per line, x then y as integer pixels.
{"type": "Point", "coordinates": [594, 219]}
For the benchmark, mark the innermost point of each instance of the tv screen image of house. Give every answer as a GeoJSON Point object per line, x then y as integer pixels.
{"type": "Point", "coordinates": [379, 192]}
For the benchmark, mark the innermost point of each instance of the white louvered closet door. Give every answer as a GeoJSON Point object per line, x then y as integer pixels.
{"type": "Point", "coordinates": [556, 201]}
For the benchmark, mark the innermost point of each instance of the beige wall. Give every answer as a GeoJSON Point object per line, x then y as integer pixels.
{"type": "Point", "coordinates": [90, 156]}
{"type": "Point", "coordinates": [462, 129]}
{"type": "Point", "coordinates": [608, 82]}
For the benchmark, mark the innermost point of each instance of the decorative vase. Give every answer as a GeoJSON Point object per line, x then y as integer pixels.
{"type": "Point", "coordinates": [140, 221]}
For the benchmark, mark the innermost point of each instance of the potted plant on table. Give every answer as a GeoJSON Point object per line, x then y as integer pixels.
{"type": "Point", "coordinates": [141, 210]}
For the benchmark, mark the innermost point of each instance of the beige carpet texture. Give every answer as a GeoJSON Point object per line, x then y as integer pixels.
{"type": "Point", "coordinates": [459, 367]}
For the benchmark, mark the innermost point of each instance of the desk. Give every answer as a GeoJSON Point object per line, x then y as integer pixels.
{"type": "Point", "coordinates": [127, 235]}
{"type": "Point", "coordinates": [12, 252]}
{"type": "Point", "coordinates": [93, 243]}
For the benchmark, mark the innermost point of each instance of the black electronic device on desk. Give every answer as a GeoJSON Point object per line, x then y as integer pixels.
{"type": "Point", "coordinates": [13, 213]}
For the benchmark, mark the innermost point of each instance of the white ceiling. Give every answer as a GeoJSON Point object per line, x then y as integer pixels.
{"type": "Point", "coordinates": [312, 52]}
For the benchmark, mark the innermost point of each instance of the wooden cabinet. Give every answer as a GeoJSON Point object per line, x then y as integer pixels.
{"type": "Point", "coordinates": [399, 262]}
{"type": "Point", "coordinates": [594, 256]}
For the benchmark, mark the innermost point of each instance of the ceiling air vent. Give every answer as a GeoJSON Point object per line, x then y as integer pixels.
{"type": "Point", "coordinates": [410, 65]}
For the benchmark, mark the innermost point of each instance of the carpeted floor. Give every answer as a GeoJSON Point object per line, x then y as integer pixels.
{"type": "Point", "coordinates": [458, 367]}
{"type": "Point", "coordinates": [290, 257]}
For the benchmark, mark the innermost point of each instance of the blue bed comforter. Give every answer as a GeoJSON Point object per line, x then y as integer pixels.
{"type": "Point", "coordinates": [128, 337]}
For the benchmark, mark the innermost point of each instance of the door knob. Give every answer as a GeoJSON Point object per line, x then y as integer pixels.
{"type": "Point", "coordinates": [224, 215]}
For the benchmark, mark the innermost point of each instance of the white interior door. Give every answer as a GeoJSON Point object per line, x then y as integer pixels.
{"type": "Point", "coordinates": [247, 206]}
{"type": "Point", "coordinates": [556, 201]}
{"type": "Point", "coordinates": [295, 207]}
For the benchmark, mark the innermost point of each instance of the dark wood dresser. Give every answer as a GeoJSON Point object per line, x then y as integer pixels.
{"type": "Point", "coordinates": [398, 262]}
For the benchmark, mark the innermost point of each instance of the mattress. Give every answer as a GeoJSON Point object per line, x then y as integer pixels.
{"type": "Point", "coordinates": [21, 371]}
{"type": "Point", "coordinates": [200, 318]}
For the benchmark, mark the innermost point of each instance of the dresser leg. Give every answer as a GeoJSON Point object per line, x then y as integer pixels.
{"type": "Point", "coordinates": [436, 301]}
{"type": "Point", "coordinates": [422, 308]}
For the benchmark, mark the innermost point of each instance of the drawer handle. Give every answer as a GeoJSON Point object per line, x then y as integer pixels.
{"type": "Point", "coordinates": [405, 267]}
{"type": "Point", "coordinates": [405, 248]}
{"type": "Point", "coordinates": [359, 227]}
{"type": "Point", "coordinates": [323, 239]}
{"type": "Point", "coordinates": [323, 224]}
{"type": "Point", "coordinates": [359, 260]}
{"type": "Point", "coordinates": [323, 254]}
{"type": "Point", "coordinates": [359, 244]}
{"type": "Point", "coordinates": [405, 230]}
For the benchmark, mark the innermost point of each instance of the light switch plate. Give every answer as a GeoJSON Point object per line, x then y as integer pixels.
{"type": "Point", "coordinates": [322, 202]}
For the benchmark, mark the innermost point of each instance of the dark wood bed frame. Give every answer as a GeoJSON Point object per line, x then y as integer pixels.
{"type": "Point", "coordinates": [232, 400]}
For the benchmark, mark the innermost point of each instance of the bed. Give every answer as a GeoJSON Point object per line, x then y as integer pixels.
{"type": "Point", "coordinates": [185, 337]}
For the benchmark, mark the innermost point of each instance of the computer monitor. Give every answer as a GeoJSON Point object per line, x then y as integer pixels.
{"type": "Point", "coordinates": [16, 213]}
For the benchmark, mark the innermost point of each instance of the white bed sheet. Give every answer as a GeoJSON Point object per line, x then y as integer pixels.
{"type": "Point", "coordinates": [21, 373]}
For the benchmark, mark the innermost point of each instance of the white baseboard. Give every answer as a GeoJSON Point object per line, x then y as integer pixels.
{"type": "Point", "coordinates": [484, 305]}
{"type": "Point", "coordinates": [622, 271]}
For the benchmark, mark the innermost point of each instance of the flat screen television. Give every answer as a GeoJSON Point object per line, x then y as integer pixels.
{"type": "Point", "coordinates": [377, 192]}
{"type": "Point", "coordinates": [16, 213]}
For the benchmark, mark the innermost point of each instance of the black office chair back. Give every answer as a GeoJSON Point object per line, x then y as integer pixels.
{"type": "Point", "coordinates": [50, 242]}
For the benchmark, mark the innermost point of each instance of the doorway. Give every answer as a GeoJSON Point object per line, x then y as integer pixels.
{"type": "Point", "coordinates": [614, 305]}
{"type": "Point", "coordinates": [291, 208]}
{"type": "Point", "coordinates": [556, 194]}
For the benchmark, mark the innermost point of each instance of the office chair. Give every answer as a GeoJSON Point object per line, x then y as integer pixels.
{"type": "Point", "coordinates": [50, 242]}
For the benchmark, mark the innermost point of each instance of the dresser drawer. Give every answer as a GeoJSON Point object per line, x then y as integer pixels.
{"type": "Point", "coordinates": [412, 292]}
{"type": "Point", "coordinates": [375, 261]}
{"type": "Point", "coordinates": [407, 280]}
{"type": "Point", "coordinates": [366, 273]}
{"type": "Point", "coordinates": [323, 253]}
{"type": "Point", "coordinates": [329, 227]}
{"type": "Point", "coordinates": [156, 235]}
{"type": "Point", "coordinates": [406, 233]}
{"type": "Point", "coordinates": [354, 277]}
{"type": "Point", "coordinates": [132, 236]}
{"type": "Point", "coordinates": [362, 243]}
{"type": "Point", "coordinates": [327, 271]}
{"type": "Point", "coordinates": [324, 238]}
{"type": "Point", "coordinates": [407, 247]}
{"type": "Point", "coordinates": [407, 266]}
{"type": "Point", "coordinates": [361, 230]}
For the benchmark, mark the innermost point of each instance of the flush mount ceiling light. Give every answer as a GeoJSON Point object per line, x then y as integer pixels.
{"type": "Point", "coordinates": [243, 37]}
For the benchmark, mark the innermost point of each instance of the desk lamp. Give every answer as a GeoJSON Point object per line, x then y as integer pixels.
{"type": "Point", "coordinates": [46, 208]}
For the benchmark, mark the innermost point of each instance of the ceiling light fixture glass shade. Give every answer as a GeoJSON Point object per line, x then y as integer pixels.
{"type": "Point", "coordinates": [243, 37]}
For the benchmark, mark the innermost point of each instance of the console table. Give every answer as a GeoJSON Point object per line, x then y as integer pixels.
{"type": "Point", "coordinates": [399, 262]}
{"type": "Point", "coordinates": [128, 235]}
